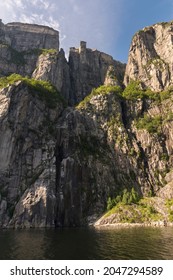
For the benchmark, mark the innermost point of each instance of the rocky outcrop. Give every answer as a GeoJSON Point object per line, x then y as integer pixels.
{"type": "Point", "coordinates": [33, 50]}
{"type": "Point", "coordinates": [60, 164]}
{"type": "Point", "coordinates": [84, 174]}
{"type": "Point", "coordinates": [28, 163]}
{"type": "Point", "coordinates": [85, 70]}
{"type": "Point", "coordinates": [21, 45]}
{"type": "Point", "coordinates": [90, 69]}
{"type": "Point", "coordinates": [150, 57]}
{"type": "Point", "coordinates": [167, 191]}
{"type": "Point", "coordinates": [24, 37]}
{"type": "Point", "coordinates": [52, 66]}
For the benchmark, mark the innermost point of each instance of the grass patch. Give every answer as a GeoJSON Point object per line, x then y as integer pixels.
{"type": "Point", "coordinates": [169, 205]}
{"type": "Point", "coordinates": [43, 89]}
{"type": "Point", "coordinates": [133, 91]}
{"type": "Point", "coordinates": [141, 212]}
{"type": "Point", "coordinates": [102, 90]}
{"type": "Point", "coordinates": [40, 51]}
{"type": "Point", "coordinates": [126, 198]}
{"type": "Point", "coordinates": [151, 124]}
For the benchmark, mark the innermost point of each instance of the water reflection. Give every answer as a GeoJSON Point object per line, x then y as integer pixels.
{"type": "Point", "coordinates": [125, 243]}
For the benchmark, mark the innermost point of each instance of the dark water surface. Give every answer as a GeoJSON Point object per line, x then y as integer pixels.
{"type": "Point", "coordinates": [87, 244]}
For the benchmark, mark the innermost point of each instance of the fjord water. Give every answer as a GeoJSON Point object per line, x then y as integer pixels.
{"type": "Point", "coordinates": [87, 244]}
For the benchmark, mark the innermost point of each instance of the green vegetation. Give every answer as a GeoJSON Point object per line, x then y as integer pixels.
{"type": "Point", "coordinates": [48, 51]}
{"type": "Point", "coordinates": [114, 125]}
{"type": "Point", "coordinates": [168, 117]}
{"type": "Point", "coordinates": [126, 198]}
{"type": "Point", "coordinates": [133, 91]}
{"type": "Point", "coordinates": [102, 90]}
{"type": "Point", "coordinates": [139, 212]}
{"type": "Point", "coordinates": [166, 24]}
{"type": "Point", "coordinates": [159, 63]}
{"type": "Point", "coordinates": [40, 51]}
{"type": "Point", "coordinates": [9, 80]}
{"type": "Point", "coordinates": [164, 157]}
{"type": "Point", "coordinates": [169, 205]}
{"type": "Point", "coordinates": [166, 94]}
{"type": "Point", "coordinates": [130, 208]}
{"type": "Point", "coordinates": [43, 89]}
{"type": "Point", "coordinates": [151, 124]}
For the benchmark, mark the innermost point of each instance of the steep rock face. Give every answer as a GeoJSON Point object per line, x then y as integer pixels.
{"type": "Point", "coordinates": [12, 61]}
{"type": "Point", "coordinates": [142, 153]}
{"type": "Point", "coordinates": [55, 171]}
{"type": "Point", "coordinates": [27, 168]}
{"type": "Point", "coordinates": [24, 37]}
{"type": "Point", "coordinates": [59, 167]}
{"type": "Point", "coordinates": [21, 45]}
{"type": "Point", "coordinates": [53, 66]}
{"type": "Point", "coordinates": [102, 149]}
{"type": "Point", "coordinates": [33, 50]}
{"type": "Point", "coordinates": [84, 174]}
{"type": "Point", "coordinates": [86, 69]}
{"type": "Point", "coordinates": [150, 57]}
{"type": "Point", "coordinates": [153, 132]}
{"type": "Point", "coordinates": [89, 69]}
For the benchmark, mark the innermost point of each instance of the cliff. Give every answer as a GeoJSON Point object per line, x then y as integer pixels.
{"type": "Point", "coordinates": [89, 69]}
{"type": "Point", "coordinates": [85, 70]}
{"type": "Point", "coordinates": [24, 37]}
{"type": "Point", "coordinates": [69, 150]}
{"type": "Point", "coordinates": [150, 57]}
{"type": "Point", "coordinates": [22, 44]}
{"type": "Point", "coordinates": [33, 50]}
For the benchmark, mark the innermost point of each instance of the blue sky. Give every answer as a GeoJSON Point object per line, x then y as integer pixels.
{"type": "Point", "coordinates": [106, 25]}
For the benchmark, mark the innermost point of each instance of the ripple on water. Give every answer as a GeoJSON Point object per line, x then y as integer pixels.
{"type": "Point", "coordinates": [121, 243]}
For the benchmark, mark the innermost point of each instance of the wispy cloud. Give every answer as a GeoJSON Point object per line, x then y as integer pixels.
{"type": "Point", "coordinates": [95, 21]}
{"type": "Point", "coordinates": [43, 4]}
{"type": "Point", "coordinates": [35, 11]}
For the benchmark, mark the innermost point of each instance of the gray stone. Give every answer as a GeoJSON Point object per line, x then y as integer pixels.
{"type": "Point", "coordinates": [24, 36]}
{"type": "Point", "coordinates": [89, 69]}
{"type": "Point", "coordinates": [59, 165]}
{"type": "Point", "coordinates": [150, 57]}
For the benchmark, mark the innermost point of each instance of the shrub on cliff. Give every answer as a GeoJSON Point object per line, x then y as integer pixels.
{"type": "Point", "coordinates": [126, 198]}
{"type": "Point", "coordinates": [102, 90]}
{"type": "Point", "coordinates": [44, 90]}
{"type": "Point", "coordinates": [151, 124]}
{"type": "Point", "coordinates": [133, 91]}
{"type": "Point", "coordinates": [9, 80]}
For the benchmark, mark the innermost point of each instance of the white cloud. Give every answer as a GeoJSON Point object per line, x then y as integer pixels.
{"type": "Point", "coordinates": [19, 4]}
{"type": "Point", "coordinates": [42, 4]}
{"type": "Point", "coordinates": [75, 19]}
{"type": "Point", "coordinates": [35, 11]}
{"type": "Point", "coordinates": [10, 4]}
{"type": "Point", "coordinates": [39, 19]}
